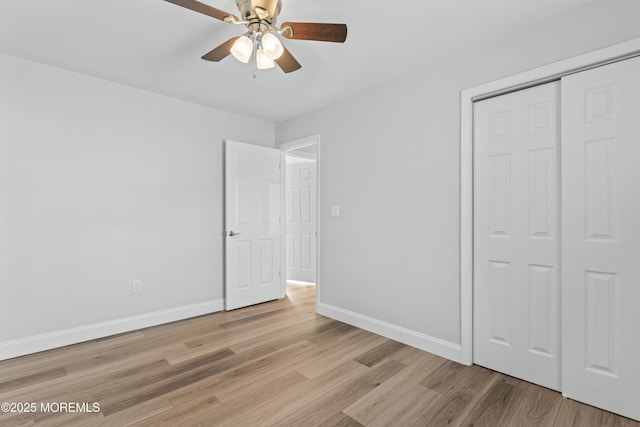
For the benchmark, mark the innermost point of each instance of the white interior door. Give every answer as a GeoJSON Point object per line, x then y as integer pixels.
{"type": "Point", "coordinates": [601, 237]}
{"type": "Point", "coordinates": [516, 250]}
{"type": "Point", "coordinates": [252, 223]}
{"type": "Point", "coordinates": [301, 221]}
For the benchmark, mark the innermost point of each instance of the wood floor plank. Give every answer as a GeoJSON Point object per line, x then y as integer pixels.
{"type": "Point", "coordinates": [115, 384]}
{"type": "Point", "coordinates": [175, 378]}
{"type": "Point", "coordinates": [336, 332]}
{"type": "Point", "coordinates": [281, 318]}
{"type": "Point", "coordinates": [213, 342]}
{"type": "Point", "coordinates": [89, 382]}
{"type": "Point", "coordinates": [256, 397]}
{"type": "Point", "coordinates": [410, 355]}
{"type": "Point", "coordinates": [340, 420]}
{"type": "Point", "coordinates": [31, 379]}
{"type": "Point", "coordinates": [140, 345]}
{"type": "Point", "coordinates": [301, 397]}
{"type": "Point", "coordinates": [443, 379]}
{"type": "Point", "coordinates": [339, 355]}
{"type": "Point", "coordinates": [350, 334]}
{"type": "Point", "coordinates": [189, 327]}
{"type": "Point", "coordinates": [195, 347]}
{"type": "Point", "coordinates": [62, 357]}
{"type": "Point", "coordinates": [277, 363]}
{"type": "Point", "coordinates": [46, 359]}
{"type": "Point", "coordinates": [326, 406]}
{"type": "Point", "coordinates": [405, 411]}
{"type": "Point", "coordinates": [238, 380]}
{"type": "Point", "coordinates": [311, 357]}
{"type": "Point", "coordinates": [576, 414]}
{"type": "Point", "coordinates": [459, 397]}
{"type": "Point", "coordinates": [539, 407]}
{"type": "Point", "coordinates": [135, 414]}
{"type": "Point", "coordinates": [253, 334]}
{"type": "Point", "coordinates": [18, 419]}
{"type": "Point", "coordinates": [69, 420]}
{"type": "Point", "coordinates": [379, 353]}
{"type": "Point", "coordinates": [285, 334]}
{"type": "Point", "coordinates": [374, 403]}
{"type": "Point", "coordinates": [107, 364]}
{"type": "Point", "coordinates": [193, 413]}
{"type": "Point", "coordinates": [259, 308]}
{"type": "Point", "coordinates": [45, 394]}
{"type": "Point", "coordinates": [256, 318]}
{"type": "Point", "coordinates": [498, 407]}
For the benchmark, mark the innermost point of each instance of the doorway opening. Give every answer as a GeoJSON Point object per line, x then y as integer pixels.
{"type": "Point", "coordinates": [300, 214]}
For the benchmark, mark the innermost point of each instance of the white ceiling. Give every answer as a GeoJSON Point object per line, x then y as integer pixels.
{"type": "Point", "coordinates": [155, 45]}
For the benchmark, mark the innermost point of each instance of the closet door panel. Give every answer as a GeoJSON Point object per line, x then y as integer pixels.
{"type": "Point", "coordinates": [516, 248]}
{"type": "Point", "coordinates": [601, 237]}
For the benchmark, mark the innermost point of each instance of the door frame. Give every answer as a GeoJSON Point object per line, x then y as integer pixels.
{"type": "Point", "coordinates": [534, 77]}
{"type": "Point", "coordinates": [284, 147]}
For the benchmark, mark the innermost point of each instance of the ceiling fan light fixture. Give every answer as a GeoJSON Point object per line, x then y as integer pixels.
{"type": "Point", "coordinates": [263, 61]}
{"type": "Point", "coordinates": [272, 46]}
{"type": "Point", "coordinates": [242, 49]}
{"type": "Point", "coordinates": [261, 39]}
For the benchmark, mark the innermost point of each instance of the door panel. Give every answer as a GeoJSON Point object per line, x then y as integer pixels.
{"type": "Point", "coordinates": [516, 248]}
{"type": "Point", "coordinates": [252, 210]}
{"type": "Point", "coordinates": [301, 222]}
{"type": "Point", "coordinates": [601, 236]}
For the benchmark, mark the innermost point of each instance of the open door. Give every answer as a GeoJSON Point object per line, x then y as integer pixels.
{"type": "Point", "coordinates": [252, 225]}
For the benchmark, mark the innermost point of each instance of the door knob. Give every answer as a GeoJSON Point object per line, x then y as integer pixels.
{"type": "Point", "coordinates": [233, 233]}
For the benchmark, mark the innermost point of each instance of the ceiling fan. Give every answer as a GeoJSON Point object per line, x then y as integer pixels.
{"type": "Point", "coordinates": [259, 17]}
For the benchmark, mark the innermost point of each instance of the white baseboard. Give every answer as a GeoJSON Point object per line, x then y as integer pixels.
{"type": "Point", "coordinates": [34, 344]}
{"type": "Point", "coordinates": [415, 339]}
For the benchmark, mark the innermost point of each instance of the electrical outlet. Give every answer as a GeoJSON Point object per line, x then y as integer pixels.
{"type": "Point", "coordinates": [136, 286]}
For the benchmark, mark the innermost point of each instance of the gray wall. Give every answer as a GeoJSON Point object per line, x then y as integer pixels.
{"type": "Point", "coordinates": [101, 184]}
{"type": "Point", "coordinates": [390, 158]}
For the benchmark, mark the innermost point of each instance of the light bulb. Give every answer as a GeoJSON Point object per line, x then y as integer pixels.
{"type": "Point", "coordinates": [272, 46]}
{"type": "Point", "coordinates": [242, 49]}
{"type": "Point", "coordinates": [264, 62]}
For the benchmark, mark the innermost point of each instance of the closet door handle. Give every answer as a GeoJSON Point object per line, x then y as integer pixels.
{"type": "Point", "coordinates": [233, 233]}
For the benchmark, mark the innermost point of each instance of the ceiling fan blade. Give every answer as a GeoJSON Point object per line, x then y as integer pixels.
{"type": "Point", "coordinates": [315, 31]}
{"type": "Point", "coordinates": [221, 52]}
{"type": "Point", "coordinates": [287, 62]}
{"type": "Point", "coordinates": [205, 9]}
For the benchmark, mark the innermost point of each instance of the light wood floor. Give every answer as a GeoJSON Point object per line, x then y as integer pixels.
{"type": "Point", "coordinates": [274, 364]}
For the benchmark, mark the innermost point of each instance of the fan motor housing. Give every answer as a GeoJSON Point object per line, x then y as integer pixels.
{"type": "Point", "coordinates": [248, 12]}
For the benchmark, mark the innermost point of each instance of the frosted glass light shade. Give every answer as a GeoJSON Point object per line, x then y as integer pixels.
{"type": "Point", "coordinates": [264, 62]}
{"type": "Point", "coordinates": [272, 46]}
{"type": "Point", "coordinates": [242, 49]}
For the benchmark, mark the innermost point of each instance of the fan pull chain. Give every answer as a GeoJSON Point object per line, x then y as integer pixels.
{"type": "Point", "coordinates": [256, 75]}
{"type": "Point", "coordinates": [256, 70]}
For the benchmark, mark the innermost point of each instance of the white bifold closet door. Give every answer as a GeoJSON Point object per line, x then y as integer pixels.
{"type": "Point", "coordinates": [590, 340]}
{"type": "Point", "coordinates": [516, 248]}
{"type": "Point", "coordinates": [601, 237]}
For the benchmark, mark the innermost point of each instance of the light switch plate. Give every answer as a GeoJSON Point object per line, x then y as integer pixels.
{"type": "Point", "coordinates": [335, 210]}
